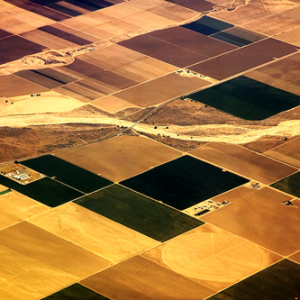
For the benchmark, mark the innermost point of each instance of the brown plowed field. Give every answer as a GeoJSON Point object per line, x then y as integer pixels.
{"type": "Point", "coordinates": [161, 89]}
{"type": "Point", "coordinates": [93, 232]}
{"type": "Point", "coordinates": [253, 216]}
{"type": "Point", "coordinates": [288, 153]}
{"type": "Point", "coordinates": [283, 74]}
{"type": "Point", "coordinates": [245, 58]}
{"type": "Point", "coordinates": [126, 152]}
{"type": "Point", "coordinates": [139, 278]}
{"type": "Point", "coordinates": [244, 162]}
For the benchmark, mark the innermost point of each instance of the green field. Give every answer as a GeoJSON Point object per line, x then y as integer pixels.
{"type": "Point", "coordinates": [247, 98]}
{"type": "Point", "coordinates": [184, 182]}
{"type": "Point", "coordinates": [290, 185]}
{"type": "Point", "coordinates": [67, 173]}
{"type": "Point", "coordinates": [278, 282]}
{"type": "Point", "coordinates": [45, 190]}
{"type": "Point", "coordinates": [140, 213]}
{"type": "Point", "coordinates": [76, 292]}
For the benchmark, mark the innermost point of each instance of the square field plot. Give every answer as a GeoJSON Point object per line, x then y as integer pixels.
{"type": "Point", "coordinates": [76, 292]}
{"type": "Point", "coordinates": [207, 25]}
{"type": "Point", "coordinates": [161, 89]}
{"type": "Point", "coordinates": [243, 59]}
{"type": "Point", "coordinates": [140, 278]}
{"type": "Point", "coordinates": [252, 217]}
{"type": "Point", "coordinates": [120, 157]}
{"type": "Point", "coordinates": [244, 162]}
{"type": "Point", "coordinates": [15, 47]}
{"type": "Point", "coordinates": [45, 190]}
{"type": "Point", "coordinates": [238, 36]}
{"type": "Point", "coordinates": [205, 253]}
{"type": "Point", "coordinates": [67, 173]}
{"type": "Point", "coordinates": [35, 263]}
{"type": "Point", "coordinates": [290, 185]}
{"type": "Point", "coordinates": [288, 153]}
{"type": "Point", "coordinates": [184, 182]}
{"type": "Point", "coordinates": [139, 212]}
{"type": "Point", "coordinates": [280, 281]}
{"type": "Point", "coordinates": [93, 232]}
{"type": "Point", "coordinates": [247, 98]}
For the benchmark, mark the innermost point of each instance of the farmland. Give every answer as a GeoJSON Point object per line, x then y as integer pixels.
{"type": "Point", "coordinates": [149, 149]}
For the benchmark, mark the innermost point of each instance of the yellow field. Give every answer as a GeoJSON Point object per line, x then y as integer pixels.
{"type": "Point", "coordinates": [93, 232]}
{"type": "Point", "coordinates": [15, 207]}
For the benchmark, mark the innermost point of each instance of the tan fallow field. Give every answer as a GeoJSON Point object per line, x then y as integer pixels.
{"type": "Point", "coordinates": [129, 153]}
{"type": "Point", "coordinates": [93, 232]}
{"type": "Point", "coordinates": [16, 207]}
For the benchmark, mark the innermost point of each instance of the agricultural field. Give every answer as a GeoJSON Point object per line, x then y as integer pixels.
{"type": "Point", "coordinates": [149, 149]}
{"type": "Point", "coordinates": [184, 182]}
{"type": "Point", "coordinates": [244, 162]}
{"type": "Point", "coordinates": [66, 173]}
{"type": "Point", "coordinates": [139, 212]}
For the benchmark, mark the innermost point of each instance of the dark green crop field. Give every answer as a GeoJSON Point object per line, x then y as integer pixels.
{"type": "Point", "coordinates": [280, 281]}
{"type": "Point", "coordinates": [290, 185]}
{"type": "Point", "coordinates": [76, 292]}
{"type": "Point", "coordinates": [184, 182]}
{"type": "Point", "coordinates": [67, 173]}
{"type": "Point", "coordinates": [207, 25]}
{"type": "Point", "coordinates": [247, 98]}
{"type": "Point", "coordinates": [45, 190]}
{"type": "Point", "coordinates": [138, 212]}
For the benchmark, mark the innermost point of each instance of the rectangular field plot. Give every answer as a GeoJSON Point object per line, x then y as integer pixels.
{"type": "Point", "coordinates": [140, 278]}
{"type": "Point", "coordinates": [93, 232]}
{"type": "Point", "coordinates": [252, 217]}
{"type": "Point", "coordinates": [238, 36]}
{"type": "Point", "coordinates": [48, 78]}
{"type": "Point", "coordinates": [288, 153]}
{"type": "Point", "coordinates": [243, 59]}
{"type": "Point", "coordinates": [162, 50]}
{"type": "Point", "coordinates": [192, 41]}
{"type": "Point", "coordinates": [279, 281]}
{"type": "Point", "coordinates": [139, 212]}
{"type": "Point", "coordinates": [76, 292]}
{"type": "Point", "coordinates": [184, 182]}
{"type": "Point", "coordinates": [194, 5]}
{"type": "Point", "coordinates": [290, 185]}
{"type": "Point", "coordinates": [16, 47]}
{"type": "Point", "coordinates": [35, 263]}
{"type": "Point", "coordinates": [244, 162]}
{"type": "Point", "coordinates": [131, 154]}
{"type": "Point", "coordinates": [12, 86]}
{"type": "Point", "coordinates": [207, 25]}
{"type": "Point", "coordinates": [161, 89]}
{"type": "Point", "coordinates": [247, 98]}
{"type": "Point", "coordinates": [67, 173]}
{"type": "Point", "coordinates": [46, 191]}
{"type": "Point", "coordinates": [283, 74]}
{"type": "Point", "coordinates": [16, 207]}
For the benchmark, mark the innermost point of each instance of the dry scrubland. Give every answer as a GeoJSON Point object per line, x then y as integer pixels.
{"type": "Point", "coordinates": [111, 87]}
